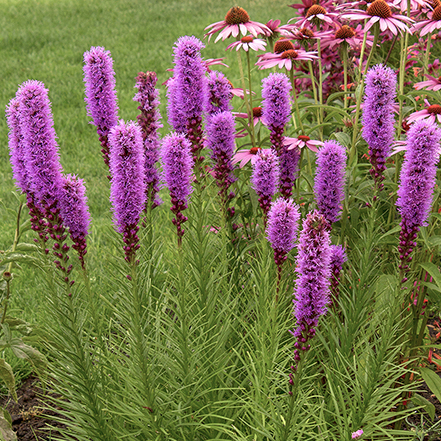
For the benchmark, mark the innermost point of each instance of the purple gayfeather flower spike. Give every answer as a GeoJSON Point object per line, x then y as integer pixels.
{"type": "Point", "coordinates": [312, 286]}
{"type": "Point", "coordinates": [147, 96]}
{"type": "Point", "coordinates": [75, 213]}
{"type": "Point", "coordinates": [264, 178]}
{"type": "Point", "coordinates": [220, 139]}
{"type": "Point", "coordinates": [191, 90]}
{"type": "Point", "coordinates": [100, 94]}
{"type": "Point", "coordinates": [338, 258]}
{"type": "Point", "coordinates": [219, 92]}
{"type": "Point", "coordinates": [276, 108]}
{"type": "Point", "coordinates": [417, 181]}
{"type": "Point", "coordinates": [18, 158]}
{"type": "Point", "coordinates": [283, 219]}
{"type": "Point", "coordinates": [127, 189]}
{"type": "Point", "coordinates": [330, 180]}
{"type": "Point", "coordinates": [289, 168]}
{"type": "Point", "coordinates": [378, 118]}
{"type": "Point", "coordinates": [175, 116]}
{"type": "Point", "coordinates": [178, 163]}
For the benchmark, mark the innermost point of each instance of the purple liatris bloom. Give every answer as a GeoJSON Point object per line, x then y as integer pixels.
{"type": "Point", "coordinates": [178, 163]}
{"type": "Point", "coordinates": [75, 213]}
{"type": "Point", "coordinates": [190, 88]}
{"type": "Point", "coordinates": [289, 167]}
{"type": "Point", "coordinates": [219, 94]}
{"type": "Point", "coordinates": [220, 139]}
{"type": "Point", "coordinates": [312, 286]}
{"type": "Point", "coordinates": [265, 177]}
{"type": "Point", "coordinates": [283, 219]}
{"type": "Point", "coordinates": [338, 258]}
{"type": "Point", "coordinates": [127, 190]}
{"type": "Point", "coordinates": [149, 119]}
{"type": "Point", "coordinates": [378, 118]}
{"type": "Point", "coordinates": [276, 108]}
{"type": "Point", "coordinates": [100, 94]}
{"type": "Point", "coordinates": [417, 181]}
{"type": "Point", "coordinates": [175, 116]}
{"type": "Point", "coordinates": [330, 180]}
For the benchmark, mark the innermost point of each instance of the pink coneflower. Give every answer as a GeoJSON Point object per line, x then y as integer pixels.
{"type": "Point", "coordinates": [432, 113]}
{"type": "Point", "coordinates": [275, 28]}
{"type": "Point", "coordinates": [302, 141]}
{"type": "Point", "coordinates": [285, 59]}
{"type": "Point", "coordinates": [257, 115]}
{"type": "Point", "coordinates": [432, 84]}
{"type": "Point", "coordinates": [380, 12]}
{"type": "Point", "coordinates": [414, 4]}
{"type": "Point", "coordinates": [248, 42]}
{"type": "Point", "coordinates": [244, 156]}
{"type": "Point", "coordinates": [428, 26]}
{"type": "Point", "coordinates": [316, 14]}
{"type": "Point", "coordinates": [236, 21]}
{"type": "Point", "coordinates": [345, 34]}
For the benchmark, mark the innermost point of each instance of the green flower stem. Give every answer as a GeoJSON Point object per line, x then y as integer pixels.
{"type": "Point", "coordinates": [344, 54]}
{"type": "Point", "coordinates": [247, 103]}
{"type": "Point", "coordinates": [320, 90]}
{"type": "Point", "coordinates": [314, 89]}
{"type": "Point", "coordinates": [427, 53]}
{"type": "Point", "coordinates": [296, 103]}
{"type": "Point", "coordinates": [14, 247]}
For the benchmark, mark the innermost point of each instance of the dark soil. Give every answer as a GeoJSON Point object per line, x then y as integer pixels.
{"type": "Point", "coordinates": [31, 420]}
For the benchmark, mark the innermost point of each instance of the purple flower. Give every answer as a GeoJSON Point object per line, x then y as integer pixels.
{"type": "Point", "coordinates": [75, 213]}
{"type": "Point", "coordinates": [175, 115]}
{"type": "Point", "coordinates": [100, 94]}
{"type": "Point", "coordinates": [338, 258]}
{"type": "Point", "coordinates": [276, 109]}
{"type": "Point", "coordinates": [127, 190]}
{"type": "Point", "coordinates": [283, 219]}
{"type": "Point", "coordinates": [39, 145]}
{"type": "Point", "coordinates": [417, 181]}
{"type": "Point", "coordinates": [177, 164]}
{"type": "Point", "coordinates": [289, 167]}
{"type": "Point", "coordinates": [378, 117]}
{"type": "Point", "coordinates": [265, 177]}
{"type": "Point", "coordinates": [219, 93]}
{"type": "Point", "coordinates": [357, 434]}
{"type": "Point", "coordinates": [220, 139]}
{"type": "Point", "coordinates": [16, 147]}
{"type": "Point", "coordinates": [147, 96]}
{"type": "Point", "coordinates": [312, 285]}
{"type": "Point", "coordinates": [330, 180]}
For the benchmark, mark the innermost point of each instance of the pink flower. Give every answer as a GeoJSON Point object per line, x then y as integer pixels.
{"type": "Point", "coordinates": [302, 141]}
{"type": "Point", "coordinates": [257, 115]}
{"type": "Point", "coordinates": [431, 113]}
{"type": "Point", "coordinates": [248, 42]}
{"type": "Point", "coordinates": [357, 434]}
{"type": "Point", "coordinates": [236, 21]}
{"type": "Point", "coordinates": [414, 4]}
{"type": "Point", "coordinates": [244, 156]}
{"type": "Point", "coordinates": [431, 84]}
{"type": "Point", "coordinates": [346, 34]}
{"type": "Point", "coordinates": [428, 26]}
{"type": "Point", "coordinates": [317, 14]}
{"type": "Point", "coordinates": [379, 11]}
{"type": "Point", "coordinates": [284, 55]}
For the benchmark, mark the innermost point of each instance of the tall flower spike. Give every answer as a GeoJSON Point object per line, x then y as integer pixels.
{"type": "Point", "coordinates": [312, 286]}
{"type": "Point", "coordinates": [127, 189]}
{"type": "Point", "coordinates": [330, 180]}
{"type": "Point", "coordinates": [219, 93]}
{"type": "Point", "coordinates": [378, 118]}
{"type": "Point", "coordinates": [177, 164]}
{"type": "Point", "coordinates": [283, 219]}
{"type": "Point", "coordinates": [417, 181]}
{"type": "Point", "coordinates": [149, 119]}
{"type": "Point", "coordinates": [100, 94]}
{"type": "Point", "coordinates": [220, 139]}
{"type": "Point", "coordinates": [191, 90]}
{"type": "Point", "coordinates": [175, 116]}
{"type": "Point", "coordinates": [75, 213]}
{"type": "Point", "coordinates": [338, 258]}
{"type": "Point", "coordinates": [289, 167]}
{"type": "Point", "coordinates": [20, 167]}
{"type": "Point", "coordinates": [264, 179]}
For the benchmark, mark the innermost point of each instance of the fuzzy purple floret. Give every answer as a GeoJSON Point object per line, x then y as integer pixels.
{"type": "Point", "coordinates": [276, 108]}
{"type": "Point", "coordinates": [289, 167]}
{"type": "Point", "coordinates": [147, 96]}
{"type": "Point", "coordinates": [265, 173]}
{"type": "Point", "coordinates": [338, 257]}
{"type": "Point", "coordinates": [378, 117]}
{"type": "Point", "coordinates": [16, 147]}
{"type": "Point", "coordinates": [219, 94]}
{"type": "Point", "coordinates": [283, 219]}
{"type": "Point", "coordinates": [73, 206]}
{"type": "Point", "coordinates": [127, 191]}
{"type": "Point", "coordinates": [100, 89]}
{"type": "Point", "coordinates": [175, 115]}
{"type": "Point", "coordinates": [189, 71]}
{"type": "Point", "coordinates": [39, 144]}
{"type": "Point", "coordinates": [177, 164]}
{"type": "Point", "coordinates": [418, 173]}
{"type": "Point", "coordinates": [330, 180]}
{"type": "Point", "coordinates": [312, 286]}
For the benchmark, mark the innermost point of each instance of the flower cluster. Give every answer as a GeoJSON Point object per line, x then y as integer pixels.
{"type": "Point", "coordinates": [219, 93]}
